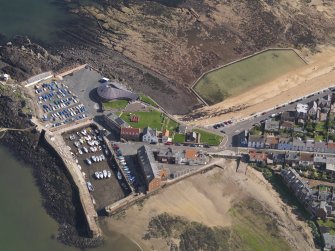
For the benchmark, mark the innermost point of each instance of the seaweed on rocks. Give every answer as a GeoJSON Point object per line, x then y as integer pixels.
{"type": "Point", "coordinates": [60, 197]}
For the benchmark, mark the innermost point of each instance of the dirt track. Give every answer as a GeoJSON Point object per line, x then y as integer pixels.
{"type": "Point", "coordinates": [318, 74]}
{"type": "Point", "coordinates": [207, 199]}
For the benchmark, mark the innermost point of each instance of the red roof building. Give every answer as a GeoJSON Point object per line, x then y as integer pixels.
{"type": "Point", "coordinates": [130, 134]}
{"type": "Point", "coordinates": [134, 118]}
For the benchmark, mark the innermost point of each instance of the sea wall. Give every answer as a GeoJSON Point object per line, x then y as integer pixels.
{"type": "Point", "coordinates": [60, 196]}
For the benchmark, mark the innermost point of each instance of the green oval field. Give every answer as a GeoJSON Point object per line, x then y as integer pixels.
{"type": "Point", "coordinates": [239, 77]}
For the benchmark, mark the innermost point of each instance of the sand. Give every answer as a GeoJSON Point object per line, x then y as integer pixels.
{"type": "Point", "coordinates": [207, 198]}
{"type": "Point", "coordinates": [318, 74]}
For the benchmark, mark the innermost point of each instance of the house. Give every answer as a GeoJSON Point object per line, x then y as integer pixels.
{"type": "Point", "coordinates": [152, 175]}
{"type": "Point", "coordinates": [169, 156]}
{"type": "Point", "coordinates": [149, 136]}
{"type": "Point", "coordinates": [271, 125]}
{"type": "Point", "coordinates": [292, 158]}
{"type": "Point", "coordinates": [271, 142]}
{"type": "Point", "coordinates": [320, 161]}
{"type": "Point", "coordinates": [182, 129]}
{"type": "Point", "coordinates": [306, 159]}
{"type": "Point", "coordinates": [320, 147]}
{"type": "Point", "coordinates": [278, 158]}
{"type": "Point", "coordinates": [298, 145]}
{"type": "Point", "coordinates": [258, 157]}
{"type": "Point", "coordinates": [310, 145]}
{"type": "Point", "coordinates": [288, 116]}
{"type": "Point", "coordinates": [256, 141]}
{"type": "Point", "coordinates": [331, 147]}
{"type": "Point", "coordinates": [285, 144]}
{"type": "Point", "coordinates": [287, 125]}
{"type": "Point", "coordinates": [312, 112]}
{"type": "Point", "coordinates": [134, 118]}
{"type": "Point", "coordinates": [130, 134]}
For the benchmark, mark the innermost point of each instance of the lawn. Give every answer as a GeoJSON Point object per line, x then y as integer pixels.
{"type": "Point", "coordinates": [179, 138]}
{"type": "Point", "coordinates": [148, 100]}
{"type": "Point", "coordinates": [318, 138]}
{"type": "Point", "coordinates": [209, 138]}
{"type": "Point", "coordinates": [239, 77]}
{"type": "Point", "coordinates": [152, 119]}
{"type": "Point", "coordinates": [115, 104]}
{"type": "Point", "coordinates": [170, 124]}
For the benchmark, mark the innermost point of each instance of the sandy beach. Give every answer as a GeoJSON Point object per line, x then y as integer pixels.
{"type": "Point", "coordinates": [207, 198]}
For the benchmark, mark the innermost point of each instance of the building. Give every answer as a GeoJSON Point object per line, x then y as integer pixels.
{"type": "Point", "coordinates": [194, 157]}
{"type": "Point", "coordinates": [288, 116]}
{"type": "Point", "coordinates": [329, 241]}
{"type": "Point", "coordinates": [169, 156]}
{"type": "Point", "coordinates": [114, 91]}
{"type": "Point", "coordinates": [271, 142]}
{"type": "Point", "coordinates": [258, 157]}
{"type": "Point", "coordinates": [285, 144]}
{"type": "Point", "coordinates": [287, 125]}
{"type": "Point", "coordinates": [130, 134]}
{"type": "Point", "coordinates": [114, 122]}
{"type": "Point", "coordinates": [306, 159]}
{"type": "Point", "coordinates": [149, 136]}
{"type": "Point", "coordinates": [256, 141]}
{"type": "Point", "coordinates": [271, 125]}
{"type": "Point", "coordinates": [152, 175]}
{"type": "Point", "coordinates": [298, 145]}
{"type": "Point", "coordinates": [192, 137]}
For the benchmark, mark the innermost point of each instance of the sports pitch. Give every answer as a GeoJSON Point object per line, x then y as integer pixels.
{"type": "Point", "coordinates": [238, 77]}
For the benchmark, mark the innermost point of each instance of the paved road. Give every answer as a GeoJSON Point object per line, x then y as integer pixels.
{"type": "Point", "coordinates": [246, 124]}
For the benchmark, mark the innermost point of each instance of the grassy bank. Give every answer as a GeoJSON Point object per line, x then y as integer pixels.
{"type": "Point", "coordinates": [115, 104]}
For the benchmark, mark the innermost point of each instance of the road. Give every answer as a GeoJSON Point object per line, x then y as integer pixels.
{"type": "Point", "coordinates": [238, 127]}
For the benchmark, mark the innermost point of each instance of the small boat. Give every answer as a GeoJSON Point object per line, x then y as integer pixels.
{"type": "Point", "coordinates": [88, 161]}
{"type": "Point", "coordinates": [105, 173]}
{"type": "Point", "coordinates": [109, 174]}
{"type": "Point", "coordinates": [119, 176]}
{"type": "Point", "coordinates": [97, 175]}
{"type": "Point", "coordinates": [101, 175]}
{"type": "Point", "coordinates": [79, 167]}
{"type": "Point", "coordinates": [89, 186]}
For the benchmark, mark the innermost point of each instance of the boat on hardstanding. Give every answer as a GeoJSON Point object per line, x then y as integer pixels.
{"type": "Point", "coordinates": [101, 175]}
{"type": "Point", "coordinates": [109, 174]}
{"type": "Point", "coordinates": [104, 173]}
{"type": "Point", "coordinates": [90, 186]}
{"type": "Point", "coordinates": [97, 175]}
{"type": "Point", "coordinates": [119, 176]}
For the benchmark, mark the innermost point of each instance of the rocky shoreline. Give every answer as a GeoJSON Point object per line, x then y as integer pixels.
{"type": "Point", "coordinates": [60, 197]}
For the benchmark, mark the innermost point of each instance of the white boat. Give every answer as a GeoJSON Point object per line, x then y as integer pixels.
{"type": "Point", "coordinates": [109, 174]}
{"type": "Point", "coordinates": [105, 173]}
{"type": "Point", "coordinates": [101, 175]}
{"type": "Point", "coordinates": [88, 161]}
{"type": "Point", "coordinates": [80, 152]}
{"type": "Point", "coordinates": [89, 186]}
{"type": "Point", "coordinates": [79, 166]}
{"type": "Point", "coordinates": [119, 176]}
{"type": "Point", "coordinates": [97, 175]}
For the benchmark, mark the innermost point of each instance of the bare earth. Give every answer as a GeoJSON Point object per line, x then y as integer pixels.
{"type": "Point", "coordinates": [207, 198]}
{"type": "Point", "coordinates": [318, 74]}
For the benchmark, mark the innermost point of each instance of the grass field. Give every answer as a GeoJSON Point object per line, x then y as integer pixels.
{"type": "Point", "coordinates": [209, 138]}
{"type": "Point", "coordinates": [152, 119]}
{"type": "Point", "coordinates": [237, 78]}
{"type": "Point", "coordinates": [115, 104]}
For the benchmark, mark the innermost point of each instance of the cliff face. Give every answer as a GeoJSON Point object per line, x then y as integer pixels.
{"type": "Point", "coordinates": [181, 39]}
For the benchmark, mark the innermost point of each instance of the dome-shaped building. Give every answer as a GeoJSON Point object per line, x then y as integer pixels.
{"type": "Point", "coordinates": [113, 91]}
